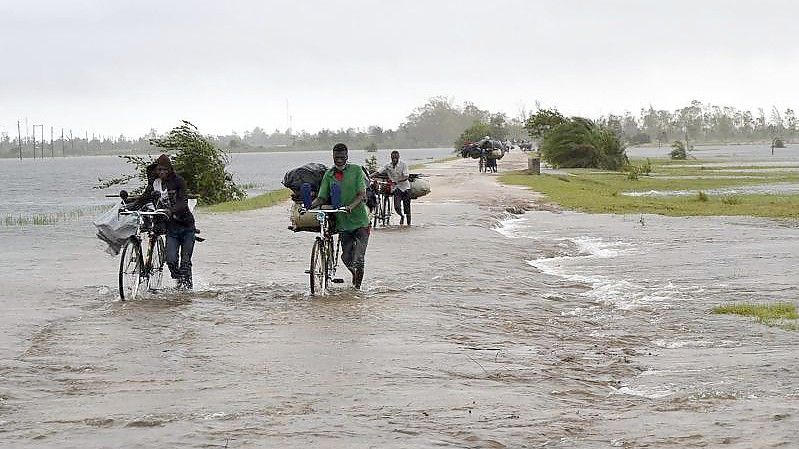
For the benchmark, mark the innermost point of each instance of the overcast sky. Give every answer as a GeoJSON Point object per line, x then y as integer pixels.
{"type": "Point", "coordinates": [126, 66]}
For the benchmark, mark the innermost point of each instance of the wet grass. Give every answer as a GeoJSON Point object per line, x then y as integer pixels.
{"type": "Point", "coordinates": [597, 191]}
{"type": "Point", "coordinates": [780, 314]}
{"type": "Point", "coordinates": [52, 218]}
{"type": "Point", "coordinates": [256, 202]}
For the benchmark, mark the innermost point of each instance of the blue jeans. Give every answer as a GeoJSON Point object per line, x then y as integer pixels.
{"type": "Point", "coordinates": [179, 247]}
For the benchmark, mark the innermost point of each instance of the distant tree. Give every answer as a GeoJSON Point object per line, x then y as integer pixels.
{"type": "Point", "coordinates": [543, 121]}
{"type": "Point", "coordinates": [439, 121]}
{"type": "Point", "coordinates": [498, 125]}
{"type": "Point", "coordinates": [371, 164]}
{"type": "Point", "coordinates": [477, 131]}
{"type": "Point", "coordinates": [678, 151]}
{"type": "Point", "coordinates": [639, 139]}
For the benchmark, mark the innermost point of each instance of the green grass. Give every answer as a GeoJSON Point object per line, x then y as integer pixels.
{"type": "Point", "coordinates": [256, 202]}
{"type": "Point", "coordinates": [596, 191]}
{"type": "Point", "coordinates": [779, 314]}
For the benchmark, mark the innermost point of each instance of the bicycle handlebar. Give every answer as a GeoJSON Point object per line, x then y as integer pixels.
{"type": "Point", "coordinates": [162, 212]}
{"type": "Point", "coordinates": [327, 211]}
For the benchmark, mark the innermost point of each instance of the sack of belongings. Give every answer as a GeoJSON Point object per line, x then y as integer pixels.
{"type": "Point", "coordinates": [115, 229]}
{"type": "Point", "coordinates": [419, 186]}
{"type": "Point", "coordinates": [304, 222]}
{"type": "Point", "coordinates": [495, 154]}
{"type": "Point", "coordinates": [311, 173]}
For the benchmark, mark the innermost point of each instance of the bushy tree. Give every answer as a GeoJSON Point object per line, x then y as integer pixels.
{"type": "Point", "coordinates": [579, 142]}
{"type": "Point", "coordinates": [200, 163]}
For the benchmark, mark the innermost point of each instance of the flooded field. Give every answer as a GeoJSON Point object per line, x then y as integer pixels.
{"type": "Point", "coordinates": [476, 328]}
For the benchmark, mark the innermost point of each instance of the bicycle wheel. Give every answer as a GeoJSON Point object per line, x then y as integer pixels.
{"type": "Point", "coordinates": [157, 261]}
{"type": "Point", "coordinates": [318, 271]}
{"type": "Point", "coordinates": [130, 269]}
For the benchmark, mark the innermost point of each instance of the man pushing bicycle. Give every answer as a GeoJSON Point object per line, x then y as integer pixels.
{"type": "Point", "coordinates": [180, 230]}
{"type": "Point", "coordinates": [344, 186]}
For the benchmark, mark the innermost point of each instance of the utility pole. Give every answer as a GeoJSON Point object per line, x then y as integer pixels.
{"type": "Point", "coordinates": [52, 151]}
{"type": "Point", "coordinates": [72, 142]}
{"type": "Point", "coordinates": [41, 141]}
{"type": "Point", "coordinates": [62, 142]}
{"type": "Point", "coordinates": [86, 134]}
{"type": "Point", "coordinates": [19, 140]}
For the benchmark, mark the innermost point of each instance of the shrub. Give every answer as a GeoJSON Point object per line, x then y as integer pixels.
{"type": "Point", "coordinates": [371, 164]}
{"type": "Point", "coordinates": [678, 152]}
{"type": "Point", "coordinates": [702, 196]}
{"type": "Point", "coordinates": [730, 200]}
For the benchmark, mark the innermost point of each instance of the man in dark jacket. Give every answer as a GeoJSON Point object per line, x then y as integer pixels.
{"type": "Point", "coordinates": [180, 230]}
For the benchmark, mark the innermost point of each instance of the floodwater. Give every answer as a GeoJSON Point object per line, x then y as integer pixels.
{"type": "Point", "coordinates": [59, 185]}
{"type": "Point", "coordinates": [476, 329]}
{"type": "Point", "coordinates": [777, 188]}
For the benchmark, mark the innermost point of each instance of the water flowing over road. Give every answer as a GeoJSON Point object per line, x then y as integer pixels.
{"type": "Point", "coordinates": [476, 328]}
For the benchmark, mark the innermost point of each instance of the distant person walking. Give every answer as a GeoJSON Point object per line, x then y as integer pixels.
{"type": "Point", "coordinates": [397, 172]}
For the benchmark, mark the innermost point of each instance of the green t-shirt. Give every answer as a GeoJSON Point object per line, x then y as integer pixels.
{"type": "Point", "coordinates": [350, 181]}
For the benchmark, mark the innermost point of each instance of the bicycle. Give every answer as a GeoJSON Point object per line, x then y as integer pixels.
{"type": "Point", "coordinates": [134, 268]}
{"type": "Point", "coordinates": [324, 253]}
{"type": "Point", "coordinates": [382, 214]}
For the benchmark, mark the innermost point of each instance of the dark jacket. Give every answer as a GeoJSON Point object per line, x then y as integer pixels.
{"type": "Point", "coordinates": [178, 201]}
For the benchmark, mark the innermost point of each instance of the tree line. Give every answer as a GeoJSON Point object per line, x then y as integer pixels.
{"type": "Point", "coordinates": [704, 123]}
{"type": "Point", "coordinates": [440, 122]}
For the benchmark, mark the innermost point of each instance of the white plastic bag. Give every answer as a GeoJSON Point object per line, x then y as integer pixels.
{"type": "Point", "coordinates": [419, 188]}
{"type": "Point", "coordinates": [114, 229]}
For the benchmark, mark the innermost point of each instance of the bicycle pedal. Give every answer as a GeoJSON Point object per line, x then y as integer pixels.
{"type": "Point", "coordinates": [338, 281]}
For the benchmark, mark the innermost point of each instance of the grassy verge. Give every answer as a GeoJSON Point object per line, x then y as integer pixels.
{"type": "Point", "coordinates": [780, 314]}
{"type": "Point", "coordinates": [597, 191]}
{"type": "Point", "coordinates": [256, 202]}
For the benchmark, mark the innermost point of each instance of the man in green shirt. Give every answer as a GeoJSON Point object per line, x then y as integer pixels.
{"type": "Point", "coordinates": [352, 226]}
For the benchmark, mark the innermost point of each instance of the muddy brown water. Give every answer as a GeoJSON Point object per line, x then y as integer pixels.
{"type": "Point", "coordinates": [476, 328]}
